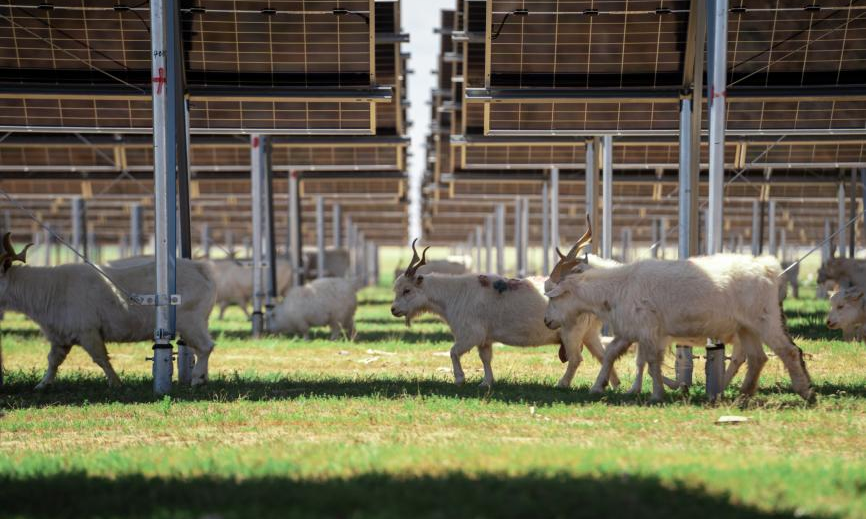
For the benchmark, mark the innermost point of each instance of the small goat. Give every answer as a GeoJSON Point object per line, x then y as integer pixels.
{"type": "Point", "coordinates": [326, 301]}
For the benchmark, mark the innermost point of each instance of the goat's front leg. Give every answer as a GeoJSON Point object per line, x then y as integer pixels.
{"type": "Point", "coordinates": [654, 356]}
{"type": "Point", "coordinates": [457, 351]}
{"type": "Point", "coordinates": [613, 351]}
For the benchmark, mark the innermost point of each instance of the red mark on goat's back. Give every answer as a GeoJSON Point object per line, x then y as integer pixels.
{"type": "Point", "coordinates": [484, 281]}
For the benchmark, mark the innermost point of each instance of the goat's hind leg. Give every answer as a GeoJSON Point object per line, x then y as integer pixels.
{"type": "Point", "coordinates": [95, 347]}
{"type": "Point", "coordinates": [613, 351]}
{"type": "Point", "coordinates": [485, 352]}
{"type": "Point", "coordinates": [56, 356]}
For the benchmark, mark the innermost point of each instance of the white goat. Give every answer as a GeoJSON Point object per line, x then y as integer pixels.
{"type": "Point", "coordinates": [74, 304]}
{"type": "Point", "coordinates": [481, 310]}
{"type": "Point", "coordinates": [727, 297]}
{"type": "Point", "coordinates": [330, 301]}
{"type": "Point", "coordinates": [848, 312]}
{"type": "Point", "coordinates": [234, 283]}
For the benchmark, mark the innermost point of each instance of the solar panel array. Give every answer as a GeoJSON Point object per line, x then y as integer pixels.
{"type": "Point", "coordinates": [530, 81]}
{"type": "Point", "coordinates": [326, 79]}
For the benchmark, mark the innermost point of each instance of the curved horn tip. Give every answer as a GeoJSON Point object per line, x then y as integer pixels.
{"type": "Point", "coordinates": [559, 253]}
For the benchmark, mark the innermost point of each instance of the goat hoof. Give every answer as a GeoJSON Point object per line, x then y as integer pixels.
{"type": "Point", "coordinates": [485, 385]}
{"type": "Point", "coordinates": [596, 390]}
{"type": "Point", "coordinates": [563, 384]}
{"type": "Point", "coordinates": [459, 381]}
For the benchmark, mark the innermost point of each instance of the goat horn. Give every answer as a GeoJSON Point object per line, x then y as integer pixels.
{"type": "Point", "coordinates": [559, 253]}
{"type": "Point", "coordinates": [9, 255]}
{"type": "Point", "coordinates": [416, 260]}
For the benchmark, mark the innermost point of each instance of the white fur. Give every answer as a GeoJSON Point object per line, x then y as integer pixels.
{"type": "Point", "coordinates": [234, 283]}
{"type": "Point", "coordinates": [651, 302]}
{"type": "Point", "coordinates": [74, 304]}
{"type": "Point", "coordinates": [326, 301]}
{"type": "Point", "coordinates": [480, 315]}
{"type": "Point", "coordinates": [848, 312]}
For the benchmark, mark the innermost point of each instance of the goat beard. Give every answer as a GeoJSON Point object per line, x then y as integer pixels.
{"type": "Point", "coordinates": [410, 316]}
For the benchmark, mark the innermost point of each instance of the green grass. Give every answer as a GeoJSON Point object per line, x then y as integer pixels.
{"type": "Point", "coordinates": [375, 428]}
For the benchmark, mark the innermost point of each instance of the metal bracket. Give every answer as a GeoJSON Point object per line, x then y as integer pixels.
{"type": "Point", "coordinates": [152, 299]}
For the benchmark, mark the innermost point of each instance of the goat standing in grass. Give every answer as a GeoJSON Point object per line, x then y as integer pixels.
{"type": "Point", "coordinates": [481, 310]}
{"type": "Point", "coordinates": [728, 297]}
{"type": "Point", "coordinates": [75, 304]}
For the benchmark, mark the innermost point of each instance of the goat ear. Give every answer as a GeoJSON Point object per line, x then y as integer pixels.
{"type": "Point", "coordinates": [556, 291]}
{"type": "Point", "coordinates": [419, 280]}
{"type": "Point", "coordinates": [854, 295]}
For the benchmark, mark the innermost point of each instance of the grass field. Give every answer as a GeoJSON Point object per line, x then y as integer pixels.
{"type": "Point", "coordinates": [376, 429]}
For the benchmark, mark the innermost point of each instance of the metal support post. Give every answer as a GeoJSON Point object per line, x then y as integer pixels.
{"type": "Point", "coordinates": [715, 370]}
{"type": "Point", "coordinates": [320, 237]}
{"type": "Point", "coordinates": [524, 238]}
{"type": "Point", "coordinates": [205, 240]}
{"type": "Point", "coordinates": [545, 230]}
{"type": "Point", "coordinates": [518, 215]}
{"type": "Point", "coordinates": [295, 245]}
{"type": "Point", "coordinates": [500, 239]}
{"type": "Point", "coordinates": [270, 232]}
{"type": "Point", "coordinates": [607, 199]}
{"type": "Point", "coordinates": [771, 223]}
{"type": "Point", "coordinates": [840, 238]}
{"type": "Point", "coordinates": [717, 49]}
{"type": "Point", "coordinates": [79, 226]}
{"type": "Point", "coordinates": [852, 216]}
{"type": "Point", "coordinates": [165, 199]}
{"type": "Point", "coordinates": [488, 243]}
{"type": "Point", "coordinates": [478, 239]}
{"type": "Point", "coordinates": [554, 209]}
{"type": "Point", "coordinates": [592, 188]}
{"type": "Point", "coordinates": [336, 220]}
{"type": "Point", "coordinates": [257, 174]}
{"type": "Point", "coordinates": [136, 229]}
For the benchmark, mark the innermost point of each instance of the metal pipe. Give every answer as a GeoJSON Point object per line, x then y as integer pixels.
{"type": "Point", "coordinates": [715, 370]}
{"type": "Point", "coordinates": [841, 220]}
{"type": "Point", "coordinates": [663, 238]}
{"type": "Point", "coordinates": [852, 213]}
{"type": "Point", "coordinates": [717, 40]}
{"type": "Point", "coordinates": [863, 197]}
{"type": "Point", "coordinates": [524, 237]}
{"type": "Point", "coordinates": [518, 213]}
{"type": "Point", "coordinates": [688, 186]}
{"type": "Point", "coordinates": [136, 230]}
{"type": "Point", "coordinates": [79, 226]}
{"type": "Point", "coordinates": [320, 237]}
{"type": "Point", "coordinates": [336, 220]}
{"type": "Point", "coordinates": [478, 244]}
{"type": "Point", "coordinates": [488, 242]}
{"type": "Point", "coordinates": [47, 241]}
{"type": "Point", "coordinates": [554, 207]}
{"type": "Point", "coordinates": [607, 199]}
{"type": "Point", "coordinates": [257, 174]}
{"type": "Point", "coordinates": [654, 248]}
{"type": "Point", "coordinates": [545, 229]}
{"type": "Point", "coordinates": [591, 182]}
{"type": "Point", "coordinates": [270, 234]}
{"type": "Point", "coordinates": [295, 229]}
{"type": "Point", "coordinates": [500, 239]}
{"type": "Point", "coordinates": [771, 224]}
{"type": "Point", "coordinates": [165, 200]}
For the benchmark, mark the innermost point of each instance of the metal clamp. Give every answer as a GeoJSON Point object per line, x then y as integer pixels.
{"type": "Point", "coordinates": [154, 299]}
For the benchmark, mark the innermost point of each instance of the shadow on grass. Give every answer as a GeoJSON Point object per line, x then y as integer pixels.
{"type": "Point", "coordinates": [82, 389]}
{"type": "Point", "coordinates": [371, 495]}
